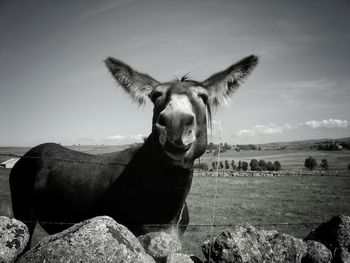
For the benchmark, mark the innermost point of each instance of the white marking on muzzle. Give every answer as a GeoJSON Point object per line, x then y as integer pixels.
{"type": "Point", "coordinates": [178, 107]}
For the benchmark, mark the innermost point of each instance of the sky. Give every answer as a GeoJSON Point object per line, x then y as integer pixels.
{"type": "Point", "coordinates": [55, 87]}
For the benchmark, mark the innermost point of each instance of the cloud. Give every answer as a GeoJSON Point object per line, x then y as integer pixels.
{"type": "Point", "coordinates": [272, 129]}
{"type": "Point", "coordinates": [263, 130]}
{"type": "Point", "coordinates": [103, 9]}
{"type": "Point", "coordinates": [136, 137]}
{"type": "Point", "coordinates": [327, 124]}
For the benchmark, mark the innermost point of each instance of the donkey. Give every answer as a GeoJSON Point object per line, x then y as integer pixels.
{"type": "Point", "coordinates": [143, 187]}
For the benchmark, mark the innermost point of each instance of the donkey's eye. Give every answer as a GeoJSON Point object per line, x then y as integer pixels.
{"type": "Point", "coordinates": [155, 95]}
{"type": "Point", "coordinates": [204, 97]}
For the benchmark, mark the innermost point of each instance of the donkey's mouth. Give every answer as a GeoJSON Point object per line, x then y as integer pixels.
{"type": "Point", "coordinates": [176, 149]}
{"type": "Point", "coordinates": [176, 152]}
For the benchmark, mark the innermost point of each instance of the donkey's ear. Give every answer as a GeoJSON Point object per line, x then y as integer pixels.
{"type": "Point", "coordinates": [221, 85]}
{"type": "Point", "coordinates": [138, 85]}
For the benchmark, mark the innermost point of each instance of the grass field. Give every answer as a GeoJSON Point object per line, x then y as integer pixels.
{"type": "Point", "coordinates": [293, 205]}
{"type": "Point", "coordinates": [266, 202]}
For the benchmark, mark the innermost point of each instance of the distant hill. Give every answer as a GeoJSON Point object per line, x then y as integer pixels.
{"type": "Point", "coordinates": [301, 145]}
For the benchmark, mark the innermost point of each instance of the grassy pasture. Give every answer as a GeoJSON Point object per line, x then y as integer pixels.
{"type": "Point", "coordinates": [290, 204]}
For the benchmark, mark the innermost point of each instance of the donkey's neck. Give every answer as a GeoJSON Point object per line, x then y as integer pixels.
{"type": "Point", "coordinates": [155, 175]}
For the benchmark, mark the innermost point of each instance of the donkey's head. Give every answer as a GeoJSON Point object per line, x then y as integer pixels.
{"type": "Point", "coordinates": [181, 107]}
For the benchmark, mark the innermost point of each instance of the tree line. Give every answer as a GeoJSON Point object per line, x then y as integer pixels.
{"type": "Point", "coordinates": [311, 163]}
{"type": "Point", "coordinates": [254, 165]}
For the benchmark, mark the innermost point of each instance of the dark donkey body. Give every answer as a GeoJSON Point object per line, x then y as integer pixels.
{"type": "Point", "coordinates": [138, 187]}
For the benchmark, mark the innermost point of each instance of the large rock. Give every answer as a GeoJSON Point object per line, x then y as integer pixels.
{"type": "Point", "coordinates": [160, 245]}
{"type": "Point", "coordinates": [335, 235]}
{"type": "Point", "coordinates": [99, 239]}
{"type": "Point", "coordinates": [14, 237]}
{"type": "Point", "coordinates": [285, 248]}
{"type": "Point", "coordinates": [246, 244]}
{"type": "Point", "coordinates": [239, 244]}
{"type": "Point", "coordinates": [317, 253]}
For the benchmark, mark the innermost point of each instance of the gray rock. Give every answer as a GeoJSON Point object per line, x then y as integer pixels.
{"type": "Point", "coordinates": [159, 244]}
{"type": "Point", "coordinates": [317, 253]}
{"type": "Point", "coordinates": [285, 248]}
{"type": "Point", "coordinates": [14, 237]}
{"type": "Point", "coordinates": [183, 258]}
{"type": "Point", "coordinates": [245, 243]}
{"type": "Point", "coordinates": [335, 235]}
{"type": "Point", "coordinates": [239, 244]}
{"type": "Point", "coordinates": [99, 239]}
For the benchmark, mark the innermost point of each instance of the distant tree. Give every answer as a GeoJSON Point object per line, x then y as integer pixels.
{"type": "Point", "coordinates": [221, 165]}
{"type": "Point", "coordinates": [252, 147]}
{"type": "Point", "coordinates": [277, 165]}
{"type": "Point", "coordinates": [324, 164]}
{"type": "Point", "coordinates": [253, 164]}
{"type": "Point", "coordinates": [244, 166]}
{"type": "Point", "coordinates": [270, 166]}
{"type": "Point", "coordinates": [240, 165]}
{"type": "Point", "coordinates": [226, 146]}
{"type": "Point", "coordinates": [349, 166]}
{"type": "Point", "coordinates": [214, 164]}
{"type": "Point", "coordinates": [310, 163]}
{"type": "Point", "coordinates": [227, 165]}
{"type": "Point", "coordinates": [259, 148]}
{"type": "Point", "coordinates": [210, 147]}
{"type": "Point", "coordinates": [345, 145]}
{"type": "Point", "coordinates": [262, 165]}
{"type": "Point", "coordinates": [233, 164]}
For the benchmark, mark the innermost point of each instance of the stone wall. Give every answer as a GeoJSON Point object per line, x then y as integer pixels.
{"type": "Point", "coordinates": [101, 239]}
{"type": "Point", "coordinates": [231, 173]}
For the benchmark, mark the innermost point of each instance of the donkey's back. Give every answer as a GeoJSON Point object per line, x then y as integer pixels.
{"type": "Point", "coordinates": [61, 184]}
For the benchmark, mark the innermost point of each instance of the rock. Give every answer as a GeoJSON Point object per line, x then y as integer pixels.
{"type": "Point", "coordinates": [183, 258]}
{"type": "Point", "coordinates": [285, 248]}
{"type": "Point", "coordinates": [14, 237]}
{"type": "Point", "coordinates": [239, 244]}
{"type": "Point", "coordinates": [246, 244]}
{"type": "Point", "coordinates": [99, 239]}
{"type": "Point", "coordinates": [159, 244]}
{"type": "Point", "coordinates": [317, 253]}
{"type": "Point", "coordinates": [335, 235]}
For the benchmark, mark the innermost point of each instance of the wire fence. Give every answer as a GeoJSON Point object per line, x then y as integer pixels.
{"type": "Point", "coordinates": [211, 225]}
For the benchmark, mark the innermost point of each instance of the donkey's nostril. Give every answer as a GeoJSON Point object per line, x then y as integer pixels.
{"type": "Point", "coordinates": [161, 120]}
{"type": "Point", "coordinates": [189, 121]}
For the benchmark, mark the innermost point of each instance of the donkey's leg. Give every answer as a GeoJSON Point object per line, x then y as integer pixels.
{"type": "Point", "coordinates": [21, 185]}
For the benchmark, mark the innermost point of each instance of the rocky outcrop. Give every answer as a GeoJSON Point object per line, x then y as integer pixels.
{"type": "Point", "coordinates": [335, 235]}
{"type": "Point", "coordinates": [14, 237]}
{"type": "Point", "coordinates": [99, 239]}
